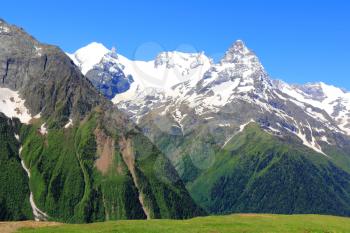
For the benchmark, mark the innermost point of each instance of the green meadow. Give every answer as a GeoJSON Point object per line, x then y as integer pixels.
{"type": "Point", "coordinates": [242, 223]}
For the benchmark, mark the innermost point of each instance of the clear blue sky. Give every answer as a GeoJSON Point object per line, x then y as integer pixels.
{"type": "Point", "coordinates": [297, 41]}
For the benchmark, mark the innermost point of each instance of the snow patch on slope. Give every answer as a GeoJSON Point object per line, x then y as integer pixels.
{"type": "Point", "coordinates": [43, 129]}
{"type": "Point", "coordinates": [302, 135]}
{"type": "Point", "coordinates": [69, 124]}
{"type": "Point", "coordinates": [334, 101]}
{"type": "Point", "coordinates": [241, 128]}
{"type": "Point", "coordinates": [13, 106]}
{"type": "Point", "coordinates": [4, 29]}
{"type": "Point", "coordinates": [311, 144]}
{"type": "Point", "coordinates": [178, 117]}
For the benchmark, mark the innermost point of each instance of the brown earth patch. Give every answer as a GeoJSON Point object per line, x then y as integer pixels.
{"type": "Point", "coordinates": [105, 151]}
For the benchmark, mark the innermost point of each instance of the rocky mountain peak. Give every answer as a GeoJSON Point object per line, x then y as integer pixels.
{"type": "Point", "coordinates": [240, 54]}
{"type": "Point", "coordinates": [239, 72]}
{"type": "Point", "coordinates": [40, 76]}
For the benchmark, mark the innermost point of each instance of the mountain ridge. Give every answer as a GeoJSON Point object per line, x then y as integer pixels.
{"type": "Point", "coordinates": [215, 89]}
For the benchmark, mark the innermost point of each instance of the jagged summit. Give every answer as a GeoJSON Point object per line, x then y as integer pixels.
{"type": "Point", "coordinates": [240, 54]}
{"type": "Point", "coordinates": [237, 47]}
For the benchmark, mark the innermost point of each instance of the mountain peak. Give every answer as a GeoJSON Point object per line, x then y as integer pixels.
{"type": "Point", "coordinates": [88, 56]}
{"type": "Point", "coordinates": [238, 53]}
{"type": "Point", "coordinates": [94, 45]}
{"type": "Point", "coordinates": [240, 45]}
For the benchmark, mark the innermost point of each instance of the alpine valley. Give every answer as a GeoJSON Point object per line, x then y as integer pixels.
{"type": "Point", "coordinates": [94, 136]}
{"type": "Point", "coordinates": [240, 141]}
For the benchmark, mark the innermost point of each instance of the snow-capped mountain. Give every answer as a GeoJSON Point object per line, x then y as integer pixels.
{"type": "Point", "coordinates": [160, 74]}
{"type": "Point", "coordinates": [178, 92]}
{"type": "Point", "coordinates": [333, 100]}
{"type": "Point", "coordinates": [233, 134]}
{"type": "Point", "coordinates": [237, 90]}
{"type": "Point", "coordinates": [85, 58]}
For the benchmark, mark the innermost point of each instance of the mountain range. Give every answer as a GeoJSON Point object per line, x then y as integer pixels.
{"type": "Point", "coordinates": [240, 140]}
{"type": "Point", "coordinates": [94, 136]}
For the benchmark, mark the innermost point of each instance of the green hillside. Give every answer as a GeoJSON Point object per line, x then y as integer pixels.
{"type": "Point", "coordinates": [249, 223]}
{"type": "Point", "coordinates": [14, 189]}
{"type": "Point", "coordinates": [87, 173]}
{"type": "Point", "coordinates": [260, 173]}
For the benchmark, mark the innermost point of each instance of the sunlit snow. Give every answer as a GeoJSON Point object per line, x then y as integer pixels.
{"type": "Point", "coordinates": [13, 106]}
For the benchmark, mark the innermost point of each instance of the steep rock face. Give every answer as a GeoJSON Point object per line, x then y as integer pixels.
{"type": "Point", "coordinates": [108, 77]}
{"type": "Point", "coordinates": [44, 76]}
{"type": "Point", "coordinates": [61, 147]}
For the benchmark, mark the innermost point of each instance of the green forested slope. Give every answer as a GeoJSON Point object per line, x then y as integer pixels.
{"type": "Point", "coordinates": [14, 189]}
{"type": "Point", "coordinates": [257, 172]}
{"type": "Point", "coordinates": [69, 187]}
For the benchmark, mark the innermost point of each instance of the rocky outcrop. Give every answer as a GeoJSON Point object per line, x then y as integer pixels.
{"type": "Point", "coordinates": [44, 76]}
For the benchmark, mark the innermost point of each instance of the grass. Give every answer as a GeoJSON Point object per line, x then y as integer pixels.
{"type": "Point", "coordinates": [242, 223]}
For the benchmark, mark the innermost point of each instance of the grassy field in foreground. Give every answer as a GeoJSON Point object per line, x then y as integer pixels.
{"type": "Point", "coordinates": [256, 223]}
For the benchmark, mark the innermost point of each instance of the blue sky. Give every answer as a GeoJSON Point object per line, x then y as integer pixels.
{"type": "Point", "coordinates": [297, 41]}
